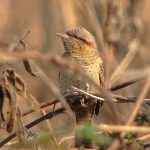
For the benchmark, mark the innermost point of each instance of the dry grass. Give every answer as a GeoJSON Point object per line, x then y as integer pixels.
{"type": "Point", "coordinates": [122, 31]}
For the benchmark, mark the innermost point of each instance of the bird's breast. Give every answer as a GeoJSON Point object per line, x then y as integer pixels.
{"type": "Point", "coordinates": [68, 79]}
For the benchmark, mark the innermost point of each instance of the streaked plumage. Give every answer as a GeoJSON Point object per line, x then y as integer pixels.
{"type": "Point", "coordinates": [80, 46]}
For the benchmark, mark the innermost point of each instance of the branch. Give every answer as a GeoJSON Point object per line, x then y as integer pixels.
{"type": "Point", "coordinates": [61, 62]}
{"type": "Point", "coordinates": [127, 83]}
{"type": "Point", "coordinates": [133, 48]}
{"type": "Point", "coordinates": [117, 98]}
{"type": "Point", "coordinates": [123, 128]}
{"type": "Point", "coordinates": [139, 102]}
{"type": "Point", "coordinates": [42, 105]}
{"type": "Point", "coordinates": [90, 95]}
{"type": "Point", "coordinates": [49, 115]}
{"type": "Point", "coordinates": [130, 99]}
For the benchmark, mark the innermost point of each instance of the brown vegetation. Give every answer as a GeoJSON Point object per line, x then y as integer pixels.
{"type": "Point", "coordinates": [33, 112]}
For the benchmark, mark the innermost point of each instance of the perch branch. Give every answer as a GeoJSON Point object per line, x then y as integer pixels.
{"type": "Point", "coordinates": [117, 98]}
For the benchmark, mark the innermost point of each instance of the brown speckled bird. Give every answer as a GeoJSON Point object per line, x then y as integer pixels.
{"type": "Point", "coordinates": [80, 46]}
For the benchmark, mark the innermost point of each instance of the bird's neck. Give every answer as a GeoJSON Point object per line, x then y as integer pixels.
{"type": "Point", "coordinates": [85, 56]}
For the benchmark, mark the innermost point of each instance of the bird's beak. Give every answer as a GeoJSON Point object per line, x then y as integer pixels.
{"type": "Point", "coordinates": [63, 36]}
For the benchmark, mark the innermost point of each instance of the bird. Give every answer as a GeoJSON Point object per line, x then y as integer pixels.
{"type": "Point", "coordinates": [80, 47]}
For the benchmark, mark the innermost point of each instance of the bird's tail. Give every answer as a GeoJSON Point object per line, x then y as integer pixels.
{"type": "Point", "coordinates": [84, 110]}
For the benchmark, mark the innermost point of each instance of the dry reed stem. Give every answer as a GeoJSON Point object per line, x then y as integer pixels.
{"type": "Point", "coordinates": [42, 75]}
{"type": "Point", "coordinates": [127, 83]}
{"type": "Point", "coordinates": [115, 98]}
{"type": "Point", "coordinates": [60, 62]}
{"type": "Point", "coordinates": [66, 139]}
{"type": "Point", "coordinates": [49, 115]}
{"type": "Point", "coordinates": [120, 99]}
{"type": "Point", "coordinates": [139, 102]}
{"type": "Point", "coordinates": [122, 128]}
{"type": "Point", "coordinates": [90, 95]}
{"type": "Point", "coordinates": [51, 129]}
{"type": "Point", "coordinates": [133, 48]}
{"type": "Point", "coordinates": [116, 143]}
{"type": "Point", "coordinates": [143, 138]}
{"type": "Point", "coordinates": [36, 105]}
{"type": "Point", "coordinates": [42, 105]}
{"type": "Point", "coordinates": [109, 66]}
{"type": "Point", "coordinates": [55, 91]}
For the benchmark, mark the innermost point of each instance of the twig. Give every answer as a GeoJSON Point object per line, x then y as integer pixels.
{"type": "Point", "coordinates": [125, 84]}
{"type": "Point", "coordinates": [65, 139]}
{"type": "Point", "coordinates": [54, 90]}
{"type": "Point", "coordinates": [139, 102]}
{"type": "Point", "coordinates": [59, 62]}
{"type": "Point", "coordinates": [133, 47]}
{"type": "Point", "coordinates": [130, 99]}
{"type": "Point", "coordinates": [115, 98]}
{"type": "Point", "coordinates": [42, 105]}
{"type": "Point", "coordinates": [16, 43]}
{"type": "Point", "coordinates": [143, 138]}
{"type": "Point", "coordinates": [116, 143]}
{"type": "Point", "coordinates": [90, 95]}
{"type": "Point", "coordinates": [119, 99]}
{"type": "Point", "coordinates": [36, 105]}
{"type": "Point", "coordinates": [25, 35]}
{"type": "Point", "coordinates": [122, 128]}
{"type": "Point", "coordinates": [49, 115]}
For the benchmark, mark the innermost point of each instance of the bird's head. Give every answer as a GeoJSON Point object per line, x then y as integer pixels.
{"type": "Point", "coordinates": [78, 40]}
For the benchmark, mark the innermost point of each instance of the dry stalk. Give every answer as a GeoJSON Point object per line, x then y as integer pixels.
{"type": "Point", "coordinates": [35, 104]}
{"type": "Point", "coordinates": [42, 105]}
{"type": "Point", "coordinates": [133, 48]}
{"type": "Point", "coordinates": [116, 143]}
{"type": "Point", "coordinates": [139, 102]}
{"type": "Point", "coordinates": [66, 139]}
{"type": "Point", "coordinates": [119, 99]}
{"type": "Point", "coordinates": [143, 138]}
{"type": "Point", "coordinates": [122, 128]}
{"type": "Point", "coordinates": [49, 115]}
{"type": "Point", "coordinates": [90, 95]}
{"type": "Point", "coordinates": [115, 98]}
{"type": "Point", "coordinates": [59, 62]}
{"type": "Point", "coordinates": [130, 82]}
{"type": "Point", "coordinates": [55, 91]}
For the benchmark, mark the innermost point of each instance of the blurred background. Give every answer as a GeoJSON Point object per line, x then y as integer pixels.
{"type": "Point", "coordinates": [121, 27]}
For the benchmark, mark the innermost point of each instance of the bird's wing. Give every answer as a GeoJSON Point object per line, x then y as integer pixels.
{"type": "Point", "coordinates": [102, 83]}
{"type": "Point", "coordinates": [101, 75]}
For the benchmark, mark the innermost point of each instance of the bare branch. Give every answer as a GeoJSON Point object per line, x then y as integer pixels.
{"type": "Point", "coordinates": [122, 128]}
{"type": "Point", "coordinates": [90, 95]}
{"type": "Point", "coordinates": [118, 99]}
{"type": "Point", "coordinates": [139, 102]}
{"type": "Point", "coordinates": [59, 62]}
{"type": "Point", "coordinates": [133, 48]}
{"type": "Point", "coordinates": [125, 84]}
{"type": "Point", "coordinates": [49, 115]}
